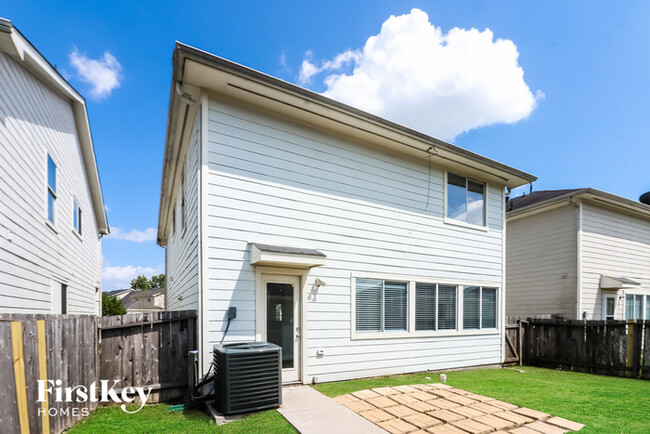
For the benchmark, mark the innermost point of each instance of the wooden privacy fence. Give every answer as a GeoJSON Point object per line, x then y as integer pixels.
{"type": "Point", "coordinates": [148, 349]}
{"type": "Point", "coordinates": [79, 350]}
{"type": "Point", "coordinates": [601, 347]}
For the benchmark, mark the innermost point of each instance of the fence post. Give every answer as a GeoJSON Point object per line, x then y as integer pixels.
{"type": "Point", "coordinates": [630, 360]}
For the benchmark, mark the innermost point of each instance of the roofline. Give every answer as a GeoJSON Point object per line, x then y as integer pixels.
{"type": "Point", "coordinates": [593, 194]}
{"type": "Point", "coordinates": [15, 44]}
{"type": "Point", "coordinates": [254, 85]}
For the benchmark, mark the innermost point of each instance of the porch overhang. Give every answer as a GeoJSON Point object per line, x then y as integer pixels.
{"type": "Point", "coordinates": [283, 256]}
{"type": "Point", "coordinates": [615, 283]}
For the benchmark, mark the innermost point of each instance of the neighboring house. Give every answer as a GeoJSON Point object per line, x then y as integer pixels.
{"type": "Point", "coordinates": [152, 300]}
{"type": "Point", "coordinates": [579, 253]}
{"type": "Point", "coordinates": [359, 246]}
{"type": "Point", "coordinates": [51, 208]}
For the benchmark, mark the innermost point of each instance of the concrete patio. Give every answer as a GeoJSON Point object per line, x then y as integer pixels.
{"type": "Point", "coordinates": [439, 408]}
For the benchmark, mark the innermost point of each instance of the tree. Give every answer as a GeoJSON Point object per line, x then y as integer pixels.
{"type": "Point", "coordinates": [141, 283]}
{"type": "Point", "coordinates": [111, 305]}
{"type": "Point", "coordinates": [158, 281]}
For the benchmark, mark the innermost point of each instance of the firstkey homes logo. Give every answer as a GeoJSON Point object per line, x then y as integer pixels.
{"type": "Point", "coordinates": [53, 391]}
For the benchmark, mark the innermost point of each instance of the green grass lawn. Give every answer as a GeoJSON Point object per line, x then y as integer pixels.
{"type": "Point", "coordinates": [603, 404]}
{"type": "Point", "coordinates": [156, 418]}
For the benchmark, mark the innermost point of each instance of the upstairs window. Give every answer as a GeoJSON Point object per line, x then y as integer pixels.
{"type": "Point", "coordinates": [465, 200]}
{"type": "Point", "coordinates": [183, 216]}
{"type": "Point", "coordinates": [76, 216]}
{"type": "Point", "coordinates": [51, 188]}
{"type": "Point", "coordinates": [380, 305]}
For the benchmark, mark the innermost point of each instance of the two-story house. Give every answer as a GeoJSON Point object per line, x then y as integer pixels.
{"type": "Point", "coordinates": [51, 208]}
{"type": "Point", "coordinates": [359, 246]}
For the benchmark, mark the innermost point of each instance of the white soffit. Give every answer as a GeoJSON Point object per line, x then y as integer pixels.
{"type": "Point", "coordinates": [267, 254]}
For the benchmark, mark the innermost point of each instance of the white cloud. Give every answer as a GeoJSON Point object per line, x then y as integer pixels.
{"type": "Point", "coordinates": [442, 84]}
{"type": "Point", "coordinates": [102, 74]}
{"type": "Point", "coordinates": [120, 277]}
{"type": "Point", "coordinates": [134, 235]}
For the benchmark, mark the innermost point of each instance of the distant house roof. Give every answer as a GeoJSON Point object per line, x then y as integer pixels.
{"type": "Point", "coordinates": [14, 44]}
{"type": "Point", "coordinates": [538, 200]}
{"type": "Point", "coordinates": [535, 197]}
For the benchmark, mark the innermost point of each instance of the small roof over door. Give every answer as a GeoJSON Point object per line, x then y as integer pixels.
{"type": "Point", "coordinates": [608, 282]}
{"type": "Point", "coordinates": [267, 254]}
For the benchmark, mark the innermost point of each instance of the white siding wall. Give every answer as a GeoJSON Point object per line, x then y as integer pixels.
{"type": "Point", "coordinates": [541, 263]}
{"type": "Point", "coordinates": [275, 182]}
{"type": "Point", "coordinates": [35, 121]}
{"type": "Point", "coordinates": [616, 245]}
{"type": "Point", "coordinates": [182, 261]}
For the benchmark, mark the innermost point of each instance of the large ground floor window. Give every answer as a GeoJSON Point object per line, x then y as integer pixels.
{"type": "Point", "coordinates": [388, 307]}
{"type": "Point", "coordinates": [637, 306]}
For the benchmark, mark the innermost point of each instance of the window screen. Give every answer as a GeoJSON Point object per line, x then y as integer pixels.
{"type": "Point", "coordinates": [471, 307]}
{"type": "Point", "coordinates": [369, 316]}
{"type": "Point", "coordinates": [489, 308]}
{"type": "Point", "coordinates": [425, 306]}
{"type": "Point", "coordinates": [446, 307]}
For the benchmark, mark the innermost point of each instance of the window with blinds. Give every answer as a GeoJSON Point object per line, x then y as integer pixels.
{"type": "Point", "coordinates": [425, 306]}
{"type": "Point", "coordinates": [381, 305]}
{"type": "Point", "coordinates": [479, 307]}
{"type": "Point", "coordinates": [446, 307]}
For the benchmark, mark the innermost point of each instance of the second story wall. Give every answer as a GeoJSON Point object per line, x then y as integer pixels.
{"type": "Point", "coordinates": [541, 266]}
{"type": "Point", "coordinates": [37, 257]}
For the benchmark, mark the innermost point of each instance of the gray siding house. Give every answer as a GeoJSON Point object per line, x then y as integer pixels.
{"type": "Point", "coordinates": [359, 246]}
{"type": "Point", "coordinates": [579, 253]}
{"type": "Point", "coordinates": [51, 208]}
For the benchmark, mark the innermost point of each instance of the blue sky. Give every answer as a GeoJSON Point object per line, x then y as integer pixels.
{"type": "Point", "coordinates": [585, 65]}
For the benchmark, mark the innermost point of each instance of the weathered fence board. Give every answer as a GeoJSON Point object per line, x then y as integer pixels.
{"type": "Point", "coordinates": [136, 349]}
{"type": "Point", "coordinates": [601, 347]}
{"type": "Point", "coordinates": [148, 349]}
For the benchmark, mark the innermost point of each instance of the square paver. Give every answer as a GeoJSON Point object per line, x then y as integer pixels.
{"type": "Point", "coordinates": [503, 405]}
{"type": "Point", "coordinates": [344, 399]}
{"type": "Point", "coordinates": [422, 406]}
{"type": "Point", "coordinates": [400, 411]}
{"type": "Point", "coordinates": [459, 391]}
{"type": "Point", "coordinates": [515, 418]}
{"type": "Point", "coordinates": [376, 415]}
{"type": "Point", "coordinates": [546, 428]}
{"type": "Point", "coordinates": [445, 429]}
{"type": "Point", "coordinates": [421, 420]}
{"type": "Point", "coordinates": [423, 387]}
{"type": "Point", "coordinates": [396, 426]}
{"type": "Point", "coordinates": [359, 406]}
{"type": "Point", "coordinates": [446, 416]}
{"type": "Point", "coordinates": [472, 426]}
{"type": "Point", "coordinates": [495, 422]}
{"type": "Point", "coordinates": [405, 389]}
{"type": "Point", "coordinates": [444, 404]}
{"type": "Point", "coordinates": [566, 424]}
{"type": "Point", "coordinates": [381, 402]}
{"type": "Point", "coordinates": [422, 396]}
{"type": "Point", "coordinates": [385, 391]}
{"type": "Point", "coordinates": [443, 393]}
{"type": "Point", "coordinates": [468, 412]}
{"type": "Point", "coordinates": [523, 430]}
{"type": "Point", "coordinates": [439, 385]}
{"type": "Point", "coordinates": [486, 408]}
{"type": "Point", "coordinates": [404, 398]}
{"type": "Point", "coordinates": [365, 394]}
{"type": "Point", "coordinates": [533, 414]}
{"type": "Point", "coordinates": [462, 400]}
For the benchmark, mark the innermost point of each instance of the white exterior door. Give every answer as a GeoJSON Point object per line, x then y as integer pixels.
{"type": "Point", "coordinates": [281, 295]}
{"type": "Point", "coordinates": [609, 306]}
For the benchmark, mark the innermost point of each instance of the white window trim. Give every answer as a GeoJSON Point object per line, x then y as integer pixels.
{"type": "Point", "coordinates": [645, 298]}
{"type": "Point", "coordinates": [454, 222]}
{"type": "Point", "coordinates": [77, 211]}
{"type": "Point", "coordinates": [410, 308]}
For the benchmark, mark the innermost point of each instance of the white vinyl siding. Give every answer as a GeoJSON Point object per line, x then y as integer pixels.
{"type": "Point", "coordinates": [541, 265]}
{"type": "Point", "coordinates": [613, 244]}
{"type": "Point", "coordinates": [37, 122]}
{"type": "Point", "coordinates": [182, 260]}
{"type": "Point", "coordinates": [276, 182]}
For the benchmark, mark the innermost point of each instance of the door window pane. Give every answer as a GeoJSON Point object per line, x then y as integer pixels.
{"type": "Point", "coordinates": [425, 306]}
{"type": "Point", "coordinates": [446, 307]}
{"type": "Point", "coordinates": [279, 319]}
{"type": "Point", "coordinates": [471, 307]}
{"type": "Point", "coordinates": [395, 305]}
{"type": "Point", "coordinates": [369, 305]}
{"type": "Point", "coordinates": [489, 308]}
